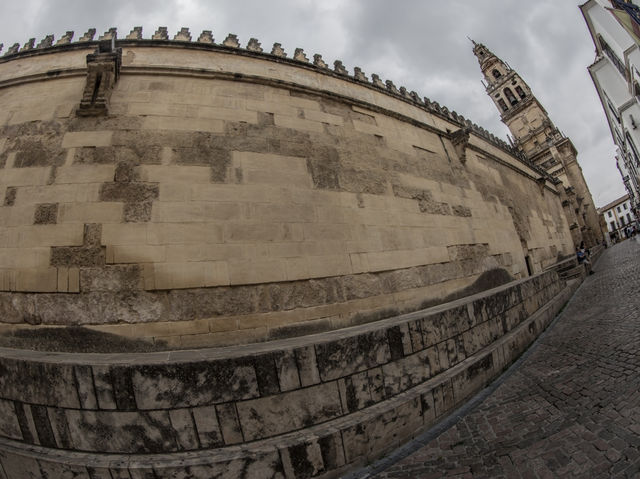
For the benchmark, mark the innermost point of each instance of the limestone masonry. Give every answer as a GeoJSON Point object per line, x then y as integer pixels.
{"type": "Point", "coordinates": [166, 194]}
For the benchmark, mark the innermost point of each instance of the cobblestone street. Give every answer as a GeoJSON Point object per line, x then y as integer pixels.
{"type": "Point", "coordinates": [572, 408]}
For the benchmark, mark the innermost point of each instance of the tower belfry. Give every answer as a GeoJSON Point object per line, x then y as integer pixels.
{"type": "Point", "coordinates": [540, 141]}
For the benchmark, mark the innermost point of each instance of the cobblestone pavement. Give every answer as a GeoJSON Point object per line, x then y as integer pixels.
{"type": "Point", "coordinates": [572, 409]}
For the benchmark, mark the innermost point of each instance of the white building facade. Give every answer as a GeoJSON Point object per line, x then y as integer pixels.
{"type": "Point", "coordinates": [619, 215]}
{"type": "Point", "coordinates": [615, 29]}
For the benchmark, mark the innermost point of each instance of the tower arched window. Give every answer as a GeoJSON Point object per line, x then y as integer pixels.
{"type": "Point", "coordinates": [520, 92]}
{"type": "Point", "coordinates": [510, 96]}
{"type": "Point", "coordinates": [496, 74]}
{"type": "Point", "coordinates": [503, 104]}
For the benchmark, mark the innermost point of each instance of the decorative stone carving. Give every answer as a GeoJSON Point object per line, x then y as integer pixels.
{"type": "Point", "coordinates": [205, 37]}
{"type": "Point", "coordinates": [278, 51]}
{"type": "Point", "coordinates": [103, 69]}
{"type": "Point", "coordinates": [109, 34]}
{"type": "Point", "coordinates": [405, 93]}
{"type": "Point", "coordinates": [161, 34]}
{"type": "Point", "coordinates": [88, 36]}
{"type": "Point", "coordinates": [391, 87]}
{"type": "Point", "coordinates": [66, 38]}
{"type": "Point", "coordinates": [299, 55]}
{"type": "Point", "coordinates": [46, 42]}
{"type": "Point", "coordinates": [460, 140]}
{"type": "Point", "coordinates": [338, 67]}
{"type": "Point", "coordinates": [231, 41]}
{"type": "Point", "coordinates": [319, 62]}
{"type": "Point", "coordinates": [135, 34]}
{"type": "Point", "coordinates": [359, 75]}
{"type": "Point", "coordinates": [254, 45]}
{"type": "Point", "coordinates": [183, 35]}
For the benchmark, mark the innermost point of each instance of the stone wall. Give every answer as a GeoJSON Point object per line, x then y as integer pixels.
{"type": "Point", "coordinates": [295, 408]}
{"type": "Point", "coordinates": [228, 195]}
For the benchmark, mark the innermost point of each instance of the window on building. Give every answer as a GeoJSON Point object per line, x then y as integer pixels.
{"type": "Point", "coordinates": [520, 91]}
{"type": "Point", "coordinates": [610, 215]}
{"type": "Point", "coordinates": [628, 218]}
{"type": "Point", "coordinates": [622, 220]}
{"type": "Point", "coordinates": [632, 147]}
{"type": "Point", "coordinates": [614, 112]}
{"type": "Point", "coordinates": [496, 74]}
{"type": "Point", "coordinates": [624, 205]}
{"type": "Point", "coordinates": [503, 104]}
{"type": "Point", "coordinates": [613, 57]}
{"type": "Point", "coordinates": [510, 96]}
{"type": "Point", "coordinates": [613, 226]}
{"type": "Point", "coordinates": [618, 210]}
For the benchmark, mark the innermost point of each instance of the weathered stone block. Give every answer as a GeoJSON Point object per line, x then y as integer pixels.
{"type": "Point", "coordinates": [9, 425]}
{"type": "Point", "coordinates": [207, 426]}
{"type": "Point", "coordinates": [289, 411]}
{"type": "Point", "coordinates": [121, 432]}
{"type": "Point", "coordinates": [193, 384]}
{"type": "Point", "coordinates": [349, 355]}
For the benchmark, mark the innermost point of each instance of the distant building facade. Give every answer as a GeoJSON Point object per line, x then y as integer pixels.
{"type": "Point", "coordinates": [619, 215]}
{"type": "Point", "coordinates": [541, 143]}
{"type": "Point", "coordinates": [615, 29]}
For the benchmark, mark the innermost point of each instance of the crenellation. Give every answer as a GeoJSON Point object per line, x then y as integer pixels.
{"type": "Point", "coordinates": [359, 75]}
{"type": "Point", "coordinates": [46, 42]}
{"type": "Point", "coordinates": [376, 81]}
{"type": "Point", "coordinates": [299, 55]}
{"type": "Point", "coordinates": [161, 34]}
{"type": "Point", "coordinates": [135, 34]}
{"type": "Point", "coordinates": [88, 36]}
{"type": "Point", "coordinates": [13, 49]}
{"type": "Point", "coordinates": [278, 51]}
{"type": "Point", "coordinates": [254, 45]}
{"type": "Point", "coordinates": [30, 45]}
{"type": "Point", "coordinates": [416, 98]}
{"type": "Point", "coordinates": [319, 62]}
{"type": "Point", "coordinates": [183, 35]}
{"type": "Point", "coordinates": [111, 34]}
{"type": "Point", "coordinates": [405, 93]}
{"type": "Point", "coordinates": [206, 37]}
{"type": "Point", "coordinates": [231, 41]}
{"type": "Point", "coordinates": [339, 68]}
{"type": "Point", "coordinates": [391, 87]}
{"type": "Point", "coordinates": [66, 38]}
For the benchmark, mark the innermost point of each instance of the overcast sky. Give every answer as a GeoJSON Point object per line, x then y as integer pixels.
{"type": "Point", "coordinates": [419, 44]}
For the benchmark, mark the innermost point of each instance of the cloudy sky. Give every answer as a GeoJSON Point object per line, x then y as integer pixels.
{"type": "Point", "coordinates": [419, 44]}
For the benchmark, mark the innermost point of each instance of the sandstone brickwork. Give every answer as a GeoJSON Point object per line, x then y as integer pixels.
{"type": "Point", "coordinates": [218, 195]}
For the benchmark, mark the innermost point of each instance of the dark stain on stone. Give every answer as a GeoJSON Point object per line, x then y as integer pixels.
{"type": "Point", "coordinates": [81, 256]}
{"type": "Point", "coordinates": [394, 336]}
{"type": "Point", "coordinates": [22, 421]}
{"type": "Point", "coordinates": [266, 374]}
{"type": "Point", "coordinates": [74, 339]}
{"type": "Point", "coordinates": [302, 467]}
{"type": "Point", "coordinates": [352, 400]}
{"type": "Point", "coordinates": [128, 192]}
{"type": "Point", "coordinates": [123, 389]}
{"type": "Point", "coordinates": [10, 196]}
{"type": "Point", "coordinates": [60, 423]}
{"type": "Point", "coordinates": [43, 426]}
{"type": "Point", "coordinates": [94, 155]}
{"type": "Point", "coordinates": [46, 214]}
{"type": "Point", "coordinates": [329, 451]}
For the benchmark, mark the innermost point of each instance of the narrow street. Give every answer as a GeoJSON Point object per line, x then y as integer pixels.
{"type": "Point", "coordinates": [572, 407]}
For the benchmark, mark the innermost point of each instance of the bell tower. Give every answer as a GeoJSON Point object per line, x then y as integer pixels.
{"type": "Point", "coordinates": [540, 141]}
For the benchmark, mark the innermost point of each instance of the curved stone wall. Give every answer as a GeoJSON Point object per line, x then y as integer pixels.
{"type": "Point", "coordinates": [295, 408]}
{"type": "Point", "coordinates": [226, 195]}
